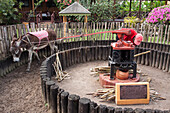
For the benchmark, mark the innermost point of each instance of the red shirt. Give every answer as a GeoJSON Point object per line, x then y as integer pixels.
{"type": "Point", "coordinates": [129, 37]}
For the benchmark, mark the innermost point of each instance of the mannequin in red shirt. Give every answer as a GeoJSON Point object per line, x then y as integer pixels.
{"type": "Point", "coordinates": [134, 37]}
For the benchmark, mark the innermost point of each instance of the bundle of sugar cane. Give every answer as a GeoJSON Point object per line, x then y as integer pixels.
{"type": "Point", "coordinates": [60, 74]}
{"type": "Point", "coordinates": [96, 70]}
{"type": "Point", "coordinates": [155, 96]}
{"type": "Point", "coordinates": [105, 94]}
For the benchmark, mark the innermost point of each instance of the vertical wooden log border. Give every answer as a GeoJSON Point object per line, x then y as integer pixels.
{"type": "Point", "coordinates": [84, 104]}
{"type": "Point", "coordinates": [110, 109]}
{"type": "Point", "coordinates": [53, 98]}
{"type": "Point", "coordinates": [102, 109]}
{"type": "Point", "coordinates": [73, 103]}
{"type": "Point", "coordinates": [64, 102]}
{"type": "Point", "coordinates": [93, 107]}
{"type": "Point", "coordinates": [59, 100]}
{"type": "Point", "coordinates": [48, 85]}
{"type": "Point", "coordinates": [44, 89]}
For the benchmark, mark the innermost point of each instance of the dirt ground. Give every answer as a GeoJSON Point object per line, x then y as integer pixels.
{"type": "Point", "coordinates": [20, 92]}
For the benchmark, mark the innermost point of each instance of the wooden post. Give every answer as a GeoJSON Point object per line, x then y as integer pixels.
{"type": "Point", "coordinates": [65, 23]}
{"type": "Point", "coordinates": [59, 100]}
{"type": "Point", "coordinates": [161, 60]}
{"type": "Point", "coordinates": [167, 65]}
{"type": "Point", "coordinates": [43, 75]}
{"type": "Point", "coordinates": [64, 102]}
{"type": "Point", "coordinates": [139, 110]}
{"type": "Point", "coordinates": [102, 108]}
{"type": "Point", "coordinates": [85, 19]}
{"type": "Point", "coordinates": [48, 85]}
{"type": "Point", "coordinates": [118, 110]}
{"type": "Point", "coordinates": [110, 109]}
{"type": "Point", "coordinates": [85, 22]}
{"type": "Point", "coordinates": [158, 59]}
{"type": "Point", "coordinates": [93, 107]}
{"type": "Point", "coordinates": [128, 110]}
{"type": "Point", "coordinates": [53, 98]}
{"type": "Point", "coordinates": [84, 105]}
{"type": "Point", "coordinates": [73, 102]}
{"type": "Point", "coordinates": [44, 89]}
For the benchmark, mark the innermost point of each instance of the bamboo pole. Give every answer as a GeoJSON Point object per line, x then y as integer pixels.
{"type": "Point", "coordinates": [142, 53]}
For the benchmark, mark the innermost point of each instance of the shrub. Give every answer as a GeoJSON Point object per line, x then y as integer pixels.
{"type": "Point", "coordinates": [102, 10]}
{"type": "Point", "coordinates": [159, 15]}
{"type": "Point", "coordinates": [8, 13]}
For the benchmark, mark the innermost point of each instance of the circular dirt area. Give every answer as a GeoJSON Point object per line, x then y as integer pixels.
{"type": "Point", "coordinates": [20, 92]}
{"type": "Point", "coordinates": [82, 83]}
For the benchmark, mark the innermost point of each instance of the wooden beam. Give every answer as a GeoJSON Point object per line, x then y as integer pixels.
{"type": "Point", "coordinates": [65, 24]}
{"type": "Point", "coordinates": [64, 19]}
{"type": "Point", "coordinates": [85, 19]}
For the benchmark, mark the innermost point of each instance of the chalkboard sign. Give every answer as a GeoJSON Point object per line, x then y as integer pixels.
{"type": "Point", "coordinates": [132, 93]}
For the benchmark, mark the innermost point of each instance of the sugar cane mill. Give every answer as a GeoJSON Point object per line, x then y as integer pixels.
{"type": "Point", "coordinates": [121, 60]}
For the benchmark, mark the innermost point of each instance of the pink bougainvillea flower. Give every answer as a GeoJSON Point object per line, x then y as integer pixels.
{"type": "Point", "coordinates": [159, 14]}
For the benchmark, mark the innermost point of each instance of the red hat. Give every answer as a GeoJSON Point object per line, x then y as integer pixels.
{"type": "Point", "coordinates": [138, 39]}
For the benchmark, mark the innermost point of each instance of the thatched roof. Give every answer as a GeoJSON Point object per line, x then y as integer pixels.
{"type": "Point", "coordinates": [74, 10]}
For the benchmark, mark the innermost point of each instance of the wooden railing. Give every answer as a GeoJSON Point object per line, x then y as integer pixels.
{"type": "Point", "coordinates": [159, 34]}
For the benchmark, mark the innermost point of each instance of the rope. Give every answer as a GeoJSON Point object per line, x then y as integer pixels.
{"type": "Point", "coordinates": [82, 35]}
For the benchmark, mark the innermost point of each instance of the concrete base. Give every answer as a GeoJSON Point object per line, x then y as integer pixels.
{"type": "Point", "coordinates": [105, 80]}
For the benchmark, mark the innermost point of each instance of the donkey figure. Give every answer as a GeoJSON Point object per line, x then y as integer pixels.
{"type": "Point", "coordinates": [31, 42]}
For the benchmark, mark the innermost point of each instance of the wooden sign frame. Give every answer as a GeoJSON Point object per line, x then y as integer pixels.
{"type": "Point", "coordinates": [143, 99]}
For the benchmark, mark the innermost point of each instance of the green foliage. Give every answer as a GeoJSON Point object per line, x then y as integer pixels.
{"type": "Point", "coordinates": [102, 10]}
{"type": "Point", "coordinates": [8, 13]}
{"type": "Point", "coordinates": [132, 19]}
